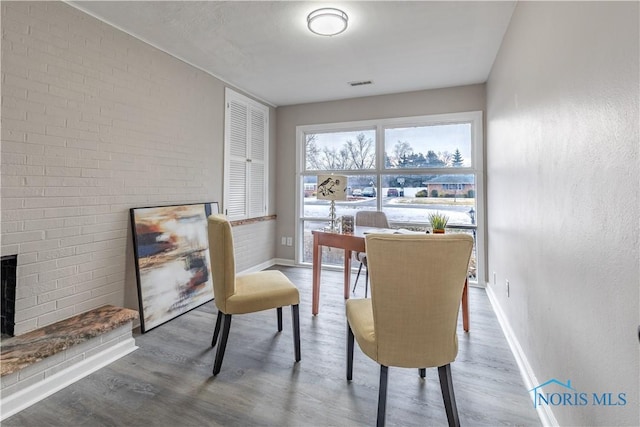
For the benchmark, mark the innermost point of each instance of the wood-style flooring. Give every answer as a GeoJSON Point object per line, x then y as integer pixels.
{"type": "Point", "coordinates": [168, 380]}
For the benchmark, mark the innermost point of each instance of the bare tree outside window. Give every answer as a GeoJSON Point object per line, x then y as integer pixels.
{"type": "Point", "coordinates": [352, 154]}
{"type": "Point", "coordinates": [401, 150]}
{"type": "Point", "coordinates": [312, 152]}
{"type": "Point", "coordinates": [361, 152]}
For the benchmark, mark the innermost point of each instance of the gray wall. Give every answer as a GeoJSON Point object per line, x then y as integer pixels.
{"type": "Point", "coordinates": [563, 205]}
{"type": "Point", "coordinates": [450, 100]}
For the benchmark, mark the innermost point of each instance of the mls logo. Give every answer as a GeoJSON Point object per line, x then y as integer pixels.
{"type": "Point", "coordinates": [569, 396]}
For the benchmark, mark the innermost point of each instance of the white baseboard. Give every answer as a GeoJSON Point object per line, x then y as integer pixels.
{"type": "Point", "coordinates": [26, 397]}
{"type": "Point", "coordinates": [528, 376]}
{"type": "Point", "coordinates": [285, 262]}
{"type": "Point", "coordinates": [258, 267]}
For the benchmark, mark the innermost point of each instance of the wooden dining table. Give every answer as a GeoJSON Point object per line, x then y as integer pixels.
{"type": "Point", "coordinates": [351, 242]}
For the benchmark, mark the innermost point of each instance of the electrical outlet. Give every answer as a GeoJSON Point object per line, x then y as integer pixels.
{"type": "Point", "coordinates": [508, 289]}
{"type": "Point", "coordinates": [283, 241]}
{"type": "Point", "coordinates": [289, 241]}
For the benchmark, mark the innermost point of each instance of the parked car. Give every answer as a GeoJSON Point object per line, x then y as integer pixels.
{"type": "Point", "coordinates": [369, 192]}
{"type": "Point", "coordinates": [357, 192]}
{"type": "Point", "coordinates": [392, 192]}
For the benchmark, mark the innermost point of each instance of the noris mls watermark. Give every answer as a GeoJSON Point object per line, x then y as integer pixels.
{"type": "Point", "coordinates": [569, 396]}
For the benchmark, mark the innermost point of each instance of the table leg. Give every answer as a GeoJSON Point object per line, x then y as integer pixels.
{"type": "Point", "coordinates": [465, 306]}
{"type": "Point", "coordinates": [347, 272]}
{"type": "Point", "coordinates": [317, 267]}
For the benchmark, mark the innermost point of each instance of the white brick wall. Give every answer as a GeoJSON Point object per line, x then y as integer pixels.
{"type": "Point", "coordinates": [254, 244]}
{"type": "Point", "coordinates": [95, 122]}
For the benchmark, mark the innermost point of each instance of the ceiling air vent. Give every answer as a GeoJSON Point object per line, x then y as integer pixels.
{"type": "Point", "coordinates": [360, 83]}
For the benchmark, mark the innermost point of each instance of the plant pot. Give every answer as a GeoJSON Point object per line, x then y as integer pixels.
{"type": "Point", "coordinates": [438, 231]}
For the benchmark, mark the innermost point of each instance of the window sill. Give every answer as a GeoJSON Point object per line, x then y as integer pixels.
{"type": "Point", "coordinates": [252, 220]}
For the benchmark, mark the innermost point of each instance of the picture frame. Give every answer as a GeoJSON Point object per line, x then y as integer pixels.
{"type": "Point", "coordinates": [171, 251]}
{"type": "Point", "coordinates": [347, 224]}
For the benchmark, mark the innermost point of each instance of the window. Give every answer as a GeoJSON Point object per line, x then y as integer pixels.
{"type": "Point", "coordinates": [453, 186]}
{"type": "Point", "coordinates": [405, 167]}
{"type": "Point", "coordinates": [245, 161]}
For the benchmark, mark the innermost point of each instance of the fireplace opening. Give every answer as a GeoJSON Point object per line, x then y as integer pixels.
{"type": "Point", "coordinates": [9, 264]}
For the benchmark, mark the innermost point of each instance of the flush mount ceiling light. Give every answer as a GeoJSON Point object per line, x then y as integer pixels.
{"type": "Point", "coordinates": [327, 21]}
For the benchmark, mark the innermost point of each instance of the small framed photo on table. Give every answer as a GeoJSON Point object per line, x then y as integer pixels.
{"type": "Point", "coordinates": [347, 224]}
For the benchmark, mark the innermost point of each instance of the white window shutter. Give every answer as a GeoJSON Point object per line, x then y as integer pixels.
{"type": "Point", "coordinates": [246, 163]}
{"type": "Point", "coordinates": [257, 181]}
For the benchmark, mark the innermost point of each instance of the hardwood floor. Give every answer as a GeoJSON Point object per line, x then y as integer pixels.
{"type": "Point", "coordinates": [168, 380]}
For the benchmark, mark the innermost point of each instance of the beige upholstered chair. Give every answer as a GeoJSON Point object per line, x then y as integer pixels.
{"type": "Point", "coordinates": [411, 319]}
{"type": "Point", "coordinates": [367, 219]}
{"type": "Point", "coordinates": [247, 293]}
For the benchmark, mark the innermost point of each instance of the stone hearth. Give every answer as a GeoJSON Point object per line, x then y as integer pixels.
{"type": "Point", "coordinates": [39, 363]}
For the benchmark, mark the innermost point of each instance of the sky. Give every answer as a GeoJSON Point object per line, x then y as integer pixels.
{"type": "Point", "coordinates": [439, 138]}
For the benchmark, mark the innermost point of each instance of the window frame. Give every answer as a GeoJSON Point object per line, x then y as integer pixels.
{"type": "Point", "coordinates": [475, 118]}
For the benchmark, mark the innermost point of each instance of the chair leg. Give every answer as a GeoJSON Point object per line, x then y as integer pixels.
{"type": "Point", "coordinates": [465, 305]}
{"type": "Point", "coordinates": [226, 324]}
{"type": "Point", "coordinates": [357, 277]}
{"type": "Point", "coordinates": [382, 396]}
{"type": "Point", "coordinates": [216, 329]}
{"type": "Point", "coordinates": [366, 282]}
{"type": "Point", "coordinates": [446, 385]}
{"type": "Point", "coordinates": [423, 372]}
{"type": "Point", "coordinates": [279, 310]}
{"type": "Point", "coordinates": [350, 339]}
{"type": "Point", "coordinates": [295, 315]}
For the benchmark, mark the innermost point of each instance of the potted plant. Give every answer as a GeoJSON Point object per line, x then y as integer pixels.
{"type": "Point", "coordinates": [438, 222]}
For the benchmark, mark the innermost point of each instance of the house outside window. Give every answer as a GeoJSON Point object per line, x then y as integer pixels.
{"type": "Point", "coordinates": [405, 167]}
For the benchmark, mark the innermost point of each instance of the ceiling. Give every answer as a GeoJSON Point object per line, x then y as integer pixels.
{"type": "Point", "coordinates": [265, 48]}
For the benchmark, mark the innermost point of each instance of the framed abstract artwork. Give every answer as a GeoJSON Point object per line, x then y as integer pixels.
{"type": "Point", "coordinates": [171, 249]}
